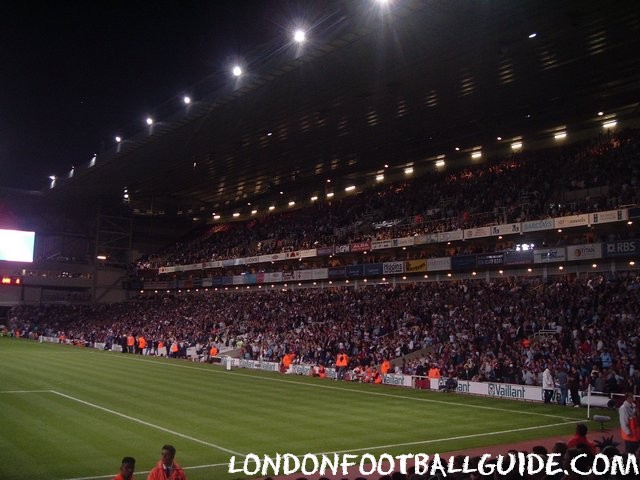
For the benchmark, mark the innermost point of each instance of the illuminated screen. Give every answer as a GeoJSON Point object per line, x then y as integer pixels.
{"type": "Point", "coordinates": [16, 246]}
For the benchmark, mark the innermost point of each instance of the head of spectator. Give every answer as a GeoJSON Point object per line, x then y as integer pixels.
{"type": "Point", "coordinates": [127, 467]}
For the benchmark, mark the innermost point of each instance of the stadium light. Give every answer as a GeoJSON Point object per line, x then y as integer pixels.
{"type": "Point", "coordinates": [237, 71]}
{"type": "Point", "coordinates": [149, 121]}
{"type": "Point", "coordinates": [118, 138]}
{"type": "Point", "coordinates": [560, 136]}
{"type": "Point", "coordinates": [299, 36]}
{"type": "Point", "coordinates": [186, 100]}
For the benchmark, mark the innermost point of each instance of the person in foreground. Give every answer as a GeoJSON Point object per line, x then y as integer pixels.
{"type": "Point", "coordinates": [629, 430]}
{"type": "Point", "coordinates": [127, 466]}
{"type": "Point", "coordinates": [166, 468]}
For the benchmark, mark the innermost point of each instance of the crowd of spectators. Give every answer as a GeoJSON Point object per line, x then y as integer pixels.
{"type": "Point", "coordinates": [476, 329]}
{"type": "Point", "coordinates": [574, 460]}
{"type": "Point", "coordinates": [597, 175]}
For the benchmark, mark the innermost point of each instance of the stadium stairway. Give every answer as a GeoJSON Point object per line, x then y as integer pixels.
{"type": "Point", "coordinates": [423, 352]}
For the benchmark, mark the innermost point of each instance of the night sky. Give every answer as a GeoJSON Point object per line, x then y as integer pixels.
{"type": "Point", "coordinates": [76, 73]}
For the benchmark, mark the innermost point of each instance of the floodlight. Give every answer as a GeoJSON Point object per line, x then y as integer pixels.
{"type": "Point", "coordinates": [560, 135]}
{"type": "Point", "coordinates": [299, 36]}
{"type": "Point", "coordinates": [237, 71]}
{"type": "Point", "coordinates": [149, 121]}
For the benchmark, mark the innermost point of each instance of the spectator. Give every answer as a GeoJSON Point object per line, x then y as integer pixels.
{"type": "Point", "coordinates": [580, 440]}
{"type": "Point", "coordinates": [629, 424]}
{"type": "Point", "coordinates": [167, 468]}
{"type": "Point", "coordinates": [127, 467]}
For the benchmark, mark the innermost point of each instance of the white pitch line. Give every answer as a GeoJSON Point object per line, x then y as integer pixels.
{"type": "Point", "coordinates": [364, 392]}
{"type": "Point", "coordinates": [393, 445]}
{"type": "Point", "coordinates": [148, 424]}
{"type": "Point", "coordinates": [144, 472]}
{"type": "Point", "coordinates": [449, 439]}
{"type": "Point", "coordinates": [24, 391]}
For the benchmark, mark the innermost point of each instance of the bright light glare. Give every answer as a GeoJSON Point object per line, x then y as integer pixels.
{"type": "Point", "coordinates": [516, 146]}
{"type": "Point", "coordinates": [237, 71]}
{"type": "Point", "coordinates": [476, 154]}
{"type": "Point", "coordinates": [533, 35]}
{"type": "Point", "coordinates": [314, 198]}
{"type": "Point", "coordinates": [408, 171]}
{"type": "Point", "coordinates": [186, 100]}
{"type": "Point", "coordinates": [149, 121]}
{"type": "Point", "coordinates": [271, 208]}
{"type": "Point", "coordinates": [292, 203]}
{"type": "Point", "coordinates": [560, 135]}
{"type": "Point", "coordinates": [379, 178]}
{"type": "Point", "coordinates": [609, 124]}
{"type": "Point", "coordinates": [299, 36]}
{"type": "Point", "coordinates": [236, 214]}
{"type": "Point", "coordinates": [350, 188]}
{"type": "Point", "coordinates": [440, 163]}
{"type": "Point", "coordinates": [330, 194]}
{"type": "Point", "coordinates": [118, 138]}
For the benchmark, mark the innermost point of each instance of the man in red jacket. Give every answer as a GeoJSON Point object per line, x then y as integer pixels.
{"type": "Point", "coordinates": [166, 468]}
{"type": "Point", "coordinates": [580, 438]}
{"type": "Point", "coordinates": [127, 466]}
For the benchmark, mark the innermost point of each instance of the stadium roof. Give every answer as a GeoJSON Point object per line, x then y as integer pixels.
{"type": "Point", "coordinates": [390, 86]}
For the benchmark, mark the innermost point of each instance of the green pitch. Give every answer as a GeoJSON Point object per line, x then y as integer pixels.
{"type": "Point", "coordinates": [73, 413]}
